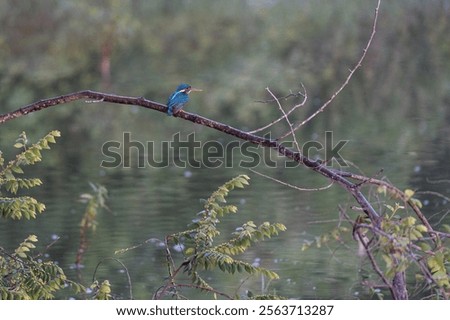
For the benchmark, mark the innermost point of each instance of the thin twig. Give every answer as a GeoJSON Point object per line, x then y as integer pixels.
{"type": "Point", "coordinates": [206, 289]}
{"type": "Point", "coordinates": [301, 104]}
{"type": "Point", "coordinates": [286, 97]}
{"type": "Point", "coordinates": [170, 282]}
{"type": "Point", "coordinates": [290, 185]}
{"type": "Point", "coordinates": [438, 181]}
{"type": "Point", "coordinates": [151, 240]}
{"type": "Point", "coordinates": [170, 268]}
{"type": "Point", "coordinates": [437, 194]}
{"type": "Point", "coordinates": [285, 116]}
{"type": "Point", "coordinates": [126, 272]}
{"type": "Point", "coordinates": [373, 262]}
{"type": "Point", "coordinates": [47, 247]}
{"type": "Point", "coordinates": [347, 80]}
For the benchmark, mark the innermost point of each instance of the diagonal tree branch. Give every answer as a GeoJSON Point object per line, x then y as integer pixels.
{"type": "Point", "coordinates": [317, 166]}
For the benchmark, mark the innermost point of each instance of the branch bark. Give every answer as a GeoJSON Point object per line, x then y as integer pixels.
{"type": "Point", "coordinates": [317, 166]}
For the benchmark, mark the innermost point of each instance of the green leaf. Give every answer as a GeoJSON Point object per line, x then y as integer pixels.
{"type": "Point", "coordinates": [382, 189]}
{"type": "Point", "coordinates": [409, 221]}
{"type": "Point", "coordinates": [421, 228]}
{"type": "Point", "coordinates": [409, 193]}
{"type": "Point", "coordinates": [32, 238]}
{"type": "Point", "coordinates": [50, 138]}
{"type": "Point", "coordinates": [424, 246]}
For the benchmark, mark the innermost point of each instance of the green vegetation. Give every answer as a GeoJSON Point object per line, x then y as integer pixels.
{"type": "Point", "coordinates": [24, 276]}
{"type": "Point", "coordinates": [400, 244]}
{"type": "Point", "coordinates": [200, 252]}
{"type": "Point", "coordinates": [22, 206]}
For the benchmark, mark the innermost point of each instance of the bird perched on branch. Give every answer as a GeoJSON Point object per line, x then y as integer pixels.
{"type": "Point", "coordinates": [179, 98]}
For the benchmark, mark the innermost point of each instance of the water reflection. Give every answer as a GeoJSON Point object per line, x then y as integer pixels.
{"type": "Point", "coordinates": [147, 203]}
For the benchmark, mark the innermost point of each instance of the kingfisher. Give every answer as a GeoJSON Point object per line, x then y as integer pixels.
{"type": "Point", "coordinates": [179, 98]}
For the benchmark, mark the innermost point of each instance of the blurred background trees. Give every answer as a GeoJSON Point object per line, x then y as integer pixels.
{"type": "Point", "coordinates": [233, 50]}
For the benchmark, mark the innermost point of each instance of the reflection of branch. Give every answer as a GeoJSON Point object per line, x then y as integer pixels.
{"type": "Point", "coordinates": [347, 80]}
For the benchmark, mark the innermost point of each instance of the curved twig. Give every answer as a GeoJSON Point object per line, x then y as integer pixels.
{"type": "Point", "coordinates": [301, 104]}
{"type": "Point", "coordinates": [126, 271]}
{"type": "Point", "coordinates": [291, 185]}
{"type": "Point", "coordinates": [285, 116]}
{"type": "Point", "coordinates": [347, 80]}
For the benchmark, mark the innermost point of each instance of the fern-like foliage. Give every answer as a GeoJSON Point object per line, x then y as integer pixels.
{"type": "Point", "coordinates": [18, 207]}
{"type": "Point", "coordinates": [198, 241]}
{"type": "Point", "coordinates": [405, 243]}
{"type": "Point", "coordinates": [24, 277]}
{"type": "Point", "coordinates": [401, 244]}
{"type": "Point", "coordinates": [101, 291]}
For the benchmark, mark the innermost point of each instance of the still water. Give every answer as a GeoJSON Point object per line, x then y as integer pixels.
{"type": "Point", "coordinates": [150, 203]}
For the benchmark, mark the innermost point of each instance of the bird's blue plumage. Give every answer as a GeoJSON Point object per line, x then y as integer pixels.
{"type": "Point", "coordinates": [178, 99]}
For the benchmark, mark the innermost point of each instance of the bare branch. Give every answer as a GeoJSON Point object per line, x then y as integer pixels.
{"type": "Point", "coordinates": [297, 146]}
{"type": "Point", "coordinates": [87, 94]}
{"type": "Point", "coordinates": [434, 193]}
{"type": "Point", "coordinates": [286, 97]}
{"type": "Point", "coordinates": [438, 181]}
{"type": "Point", "coordinates": [347, 80]}
{"type": "Point", "coordinates": [290, 185]}
{"type": "Point", "coordinates": [301, 104]}
{"type": "Point", "coordinates": [317, 166]}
